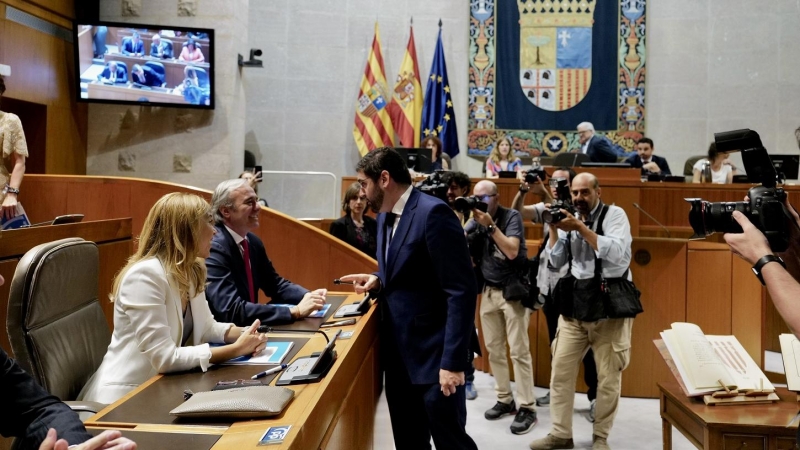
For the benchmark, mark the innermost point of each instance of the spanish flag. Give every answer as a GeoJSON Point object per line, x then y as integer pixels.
{"type": "Point", "coordinates": [373, 127]}
{"type": "Point", "coordinates": [406, 107]}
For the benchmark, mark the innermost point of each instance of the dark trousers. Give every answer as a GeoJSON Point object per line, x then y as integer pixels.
{"type": "Point", "coordinates": [419, 412]}
{"type": "Point", "coordinates": [589, 367]}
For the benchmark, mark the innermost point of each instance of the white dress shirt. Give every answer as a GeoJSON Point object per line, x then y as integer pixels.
{"type": "Point", "coordinates": [547, 275]}
{"type": "Point", "coordinates": [398, 207]}
{"type": "Point", "coordinates": [614, 247]}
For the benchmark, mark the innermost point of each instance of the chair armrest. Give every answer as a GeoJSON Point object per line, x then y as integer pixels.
{"type": "Point", "coordinates": [92, 407]}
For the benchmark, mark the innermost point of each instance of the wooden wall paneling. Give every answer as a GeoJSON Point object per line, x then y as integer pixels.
{"type": "Point", "coordinates": [42, 200]}
{"type": "Point", "coordinates": [113, 256]}
{"type": "Point", "coordinates": [64, 8]}
{"type": "Point", "coordinates": [32, 57]}
{"type": "Point", "coordinates": [357, 413]}
{"type": "Point", "coordinates": [624, 197]}
{"type": "Point", "coordinates": [58, 12]}
{"type": "Point", "coordinates": [746, 303]}
{"type": "Point", "coordinates": [541, 369]}
{"type": "Point", "coordinates": [85, 47]}
{"type": "Point", "coordinates": [33, 117]}
{"type": "Point", "coordinates": [708, 287]}
{"type": "Point", "coordinates": [98, 200]}
{"type": "Point", "coordinates": [774, 325]}
{"type": "Point", "coordinates": [662, 282]}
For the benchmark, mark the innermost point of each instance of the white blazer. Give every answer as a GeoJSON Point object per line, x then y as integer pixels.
{"type": "Point", "coordinates": [148, 326]}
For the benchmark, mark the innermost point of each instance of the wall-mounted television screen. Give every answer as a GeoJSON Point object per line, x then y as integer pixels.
{"type": "Point", "coordinates": [145, 64]}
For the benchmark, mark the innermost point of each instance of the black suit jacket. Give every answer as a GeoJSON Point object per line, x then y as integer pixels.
{"type": "Point", "coordinates": [600, 150]}
{"type": "Point", "coordinates": [344, 229]}
{"type": "Point", "coordinates": [129, 49]}
{"type": "Point", "coordinates": [636, 161]}
{"type": "Point", "coordinates": [428, 289]}
{"type": "Point", "coordinates": [29, 411]}
{"type": "Point", "coordinates": [122, 77]}
{"type": "Point", "coordinates": [227, 290]}
{"type": "Point", "coordinates": [151, 77]}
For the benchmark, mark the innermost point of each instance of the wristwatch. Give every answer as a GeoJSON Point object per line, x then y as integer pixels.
{"type": "Point", "coordinates": [10, 190]}
{"type": "Point", "coordinates": [766, 259]}
{"type": "Point", "coordinates": [490, 230]}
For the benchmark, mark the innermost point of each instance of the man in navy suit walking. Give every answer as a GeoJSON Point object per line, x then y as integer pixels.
{"type": "Point", "coordinates": [427, 293]}
{"type": "Point", "coordinates": [597, 147]}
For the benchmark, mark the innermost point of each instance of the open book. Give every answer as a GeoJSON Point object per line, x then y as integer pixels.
{"type": "Point", "coordinates": [706, 362]}
{"type": "Point", "coordinates": [790, 349]}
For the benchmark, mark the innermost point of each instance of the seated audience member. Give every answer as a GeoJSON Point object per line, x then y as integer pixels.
{"type": "Point", "coordinates": [598, 148]}
{"type": "Point", "coordinates": [198, 35]}
{"type": "Point", "coordinates": [133, 46]}
{"type": "Point", "coordinates": [162, 322]}
{"type": "Point", "coordinates": [146, 76]}
{"type": "Point", "coordinates": [40, 420]}
{"type": "Point", "coordinates": [502, 159]}
{"type": "Point", "coordinates": [160, 49]}
{"type": "Point", "coordinates": [435, 144]}
{"type": "Point", "coordinates": [113, 73]}
{"type": "Point", "coordinates": [645, 159]}
{"type": "Point", "coordinates": [254, 179]}
{"type": "Point", "coordinates": [239, 267]}
{"type": "Point", "coordinates": [722, 170]}
{"type": "Point", "coordinates": [354, 227]}
{"type": "Point", "coordinates": [191, 52]}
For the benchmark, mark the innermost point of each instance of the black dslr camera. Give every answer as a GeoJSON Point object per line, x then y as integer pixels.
{"type": "Point", "coordinates": [434, 185]}
{"type": "Point", "coordinates": [467, 204]}
{"type": "Point", "coordinates": [563, 201]}
{"type": "Point", "coordinates": [765, 207]}
{"type": "Point", "coordinates": [535, 174]}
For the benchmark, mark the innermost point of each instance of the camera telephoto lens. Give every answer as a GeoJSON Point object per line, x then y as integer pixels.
{"type": "Point", "coordinates": [552, 215]}
{"type": "Point", "coordinates": [707, 218]}
{"type": "Point", "coordinates": [466, 204]}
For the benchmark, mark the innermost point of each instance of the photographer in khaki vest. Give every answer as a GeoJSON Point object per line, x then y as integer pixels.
{"type": "Point", "coordinates": [595, 242]}
{"type": "Point", "coordinates": [497, 243]}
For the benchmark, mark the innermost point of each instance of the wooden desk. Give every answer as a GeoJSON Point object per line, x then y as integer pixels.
{"type": "Point", "coordinates": [728, 427]}
{"type": "Point", "coordinates": [173, 68]}
{"type": "Point", "coordinates": [335, 413]}
{"type": "Point", "coordinates": [124, 92]}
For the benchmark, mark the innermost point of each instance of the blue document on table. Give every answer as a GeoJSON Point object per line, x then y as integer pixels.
{"type": "Point", "coordinates": [273, 353]}
{"type": "Point", "coordinates": [18, 221]}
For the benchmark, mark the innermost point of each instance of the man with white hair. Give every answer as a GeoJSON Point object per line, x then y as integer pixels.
{"type": "Point", "coordinates": [238, 266]}
{"type": "Point", "coordinates": [597, 147]}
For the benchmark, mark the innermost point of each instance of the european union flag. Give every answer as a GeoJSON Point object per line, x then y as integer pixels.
{"type": "Point", "coordinates": [438, 115]}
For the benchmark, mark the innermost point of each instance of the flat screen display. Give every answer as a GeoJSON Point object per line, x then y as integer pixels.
{"type": "Point", "coordinates": [145, 64]}
{"type": "Point", "coordinates": [417, 159]}
{"type": "Point", "coordinates": [788, 165]}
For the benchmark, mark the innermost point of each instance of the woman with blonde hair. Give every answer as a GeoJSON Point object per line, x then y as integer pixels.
{"type": "Point", "coordinates": [354, 227]}
{"type": "Point", "coordinates": [502, 159]}
{"type": "Point", "coordinates": [162, 322]}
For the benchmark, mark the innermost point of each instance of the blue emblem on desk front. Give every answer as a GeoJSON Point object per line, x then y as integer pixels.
{"type": "Point", "coordinates": [275, 435]}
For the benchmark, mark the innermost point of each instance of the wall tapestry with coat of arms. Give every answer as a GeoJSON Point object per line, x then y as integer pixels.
{"type": "Point", "coordinates": [538, 68]}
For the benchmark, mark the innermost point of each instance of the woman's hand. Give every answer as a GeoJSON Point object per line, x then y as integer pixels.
{"type": "Point", "coordinates": [251, 342]}
{"type": "Point", "coordinates": [9, 207]}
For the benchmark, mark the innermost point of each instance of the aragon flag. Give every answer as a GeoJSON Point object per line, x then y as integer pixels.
{"type": "Point", "coordinates": [373, 126]}
{"type": "Point", "coordinates": [406, 106]}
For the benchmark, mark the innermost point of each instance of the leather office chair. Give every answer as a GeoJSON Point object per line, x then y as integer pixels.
{"type": "Point", "coordinates": [202, 77]}
{"type": "Point", "coordinates": [169, 47]}
{"type": "Point", "coordinates": [159, 69]}
{"type": "Point", "coordinates": [690, 162]}
{"type": "Point", "coordinates": [570, 159]}
{"type": "Point", "coordinates": [55, 324]}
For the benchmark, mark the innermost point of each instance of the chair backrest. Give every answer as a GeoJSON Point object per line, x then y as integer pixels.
{"type": "Point", "coordinates": [446, 157]}
{"type": "Point", "coordinates": [55, 323]}
{"type": "Point", "coordinates": [125, 42]}
{"type": "Point", "coordinates": [690, 162]}
{"type": "Point", "coordinates": [570, 159]}
{"type": "Point", "coordinates": [202, 77]}
{"type": "Point", "coordinates": [169, 45]}
{"type": "Point", "coordinates": [157, 67]}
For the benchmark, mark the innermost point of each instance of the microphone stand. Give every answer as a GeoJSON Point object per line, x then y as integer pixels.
{"type": "Point", "coordinates": [636, 205]}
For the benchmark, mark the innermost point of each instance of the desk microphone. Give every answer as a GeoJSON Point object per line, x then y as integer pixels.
{"type": "Point", "coordinates": [636, 205]}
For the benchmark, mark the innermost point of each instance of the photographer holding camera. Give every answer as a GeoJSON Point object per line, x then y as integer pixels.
{"type": "Point", "coordinates": [497, 235]}
{"type": "Point", "coordinates": [597, 247]}
{"type": "Point", "coordinates": [548, 276]}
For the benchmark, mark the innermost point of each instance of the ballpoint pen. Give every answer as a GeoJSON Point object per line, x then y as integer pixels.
{"type": "Point", "coordinates": [338, 281]}
{"type": "Point", "coordinates": [269, 372]}
{"type": "Point", "coordinates": [340, 323]}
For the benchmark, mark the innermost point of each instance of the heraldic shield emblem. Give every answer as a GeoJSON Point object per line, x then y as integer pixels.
{"type": "Point", "coordinates": [555, 51]}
